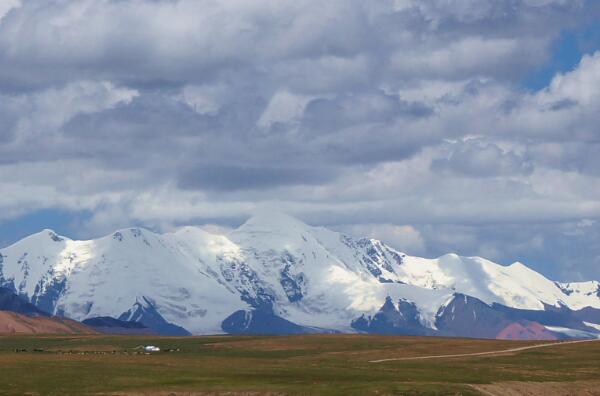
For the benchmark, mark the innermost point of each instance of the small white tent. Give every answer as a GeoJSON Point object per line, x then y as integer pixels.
{"type": "Point", "coordinates": [151, 348]}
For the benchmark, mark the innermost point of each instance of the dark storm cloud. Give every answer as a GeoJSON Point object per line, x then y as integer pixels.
{"type": "Point", "coordinates": [141, 44]}
{"type": "Point", "coordinates": [45, 42]}
{"type": "Point", "coordinates": [322, 115]}
{"type": "Point", "coordinates": [562, 104]}
{"type": "Point", "coordinates": [145, 118]}
{"type": "Point", "coordinates": [8, 120]}
{"type": "Point", "coordinates": [229, 178]}
{"type": "Point", "coordinates": [365, 128]}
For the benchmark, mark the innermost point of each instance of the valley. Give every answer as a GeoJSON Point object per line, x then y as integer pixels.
{"type": "Point", "coordinates": [292, 365]}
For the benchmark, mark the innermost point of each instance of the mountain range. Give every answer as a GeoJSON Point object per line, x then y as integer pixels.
{"type": "Point", "coordinates": [277, 275]}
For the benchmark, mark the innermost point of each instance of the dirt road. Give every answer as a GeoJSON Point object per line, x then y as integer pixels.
{"type": "Point", "coordinates": [497, 352]}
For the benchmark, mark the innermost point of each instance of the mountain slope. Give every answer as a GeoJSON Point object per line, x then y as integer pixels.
{"type": "Point", "coordinates": [108, 325]}
{"type": "Point", "coordinates": [110, 275]}
{"type": "Point", "coordinates": [273, 268]}
{"type": "Point", "coordinates": [471, 317]}
{"type": "Point", "coordinates": [20, 316]}
{"type": "Point", "coordinates": [12, 322]}
{"type": "Point", "coordinates": [9, 301]}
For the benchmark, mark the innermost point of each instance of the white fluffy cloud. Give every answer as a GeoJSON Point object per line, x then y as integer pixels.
{"type": "Point", "coordinates": [8, 5]}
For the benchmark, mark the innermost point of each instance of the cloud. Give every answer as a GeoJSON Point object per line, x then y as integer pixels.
{"type": "Point", "coordinates": [480, 159]}
{"type": "Point", "coordinates": [400, 119]}
{"type": "Point", "coordinates": [226, 178]}
{"type": "Point", "coordinates": [469, 57]}
{"type": "Point", "coordinates": [7, 6]}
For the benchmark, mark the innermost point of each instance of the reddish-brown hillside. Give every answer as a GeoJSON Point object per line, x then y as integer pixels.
{"type": "Point", "coordinates": [12, 323]}
{"type": "Point", "coordinates": [526, 331]}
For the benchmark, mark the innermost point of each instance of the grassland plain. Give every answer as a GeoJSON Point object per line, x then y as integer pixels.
{"type": "Point", "coordinates": [295, 365]}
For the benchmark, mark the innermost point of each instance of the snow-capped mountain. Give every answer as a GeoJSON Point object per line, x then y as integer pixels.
{"type": "Point", "coordinates": [277, 274]}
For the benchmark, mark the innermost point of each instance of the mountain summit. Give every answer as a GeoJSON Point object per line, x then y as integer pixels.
{"type": "Point", "coordinates": [275, 274]}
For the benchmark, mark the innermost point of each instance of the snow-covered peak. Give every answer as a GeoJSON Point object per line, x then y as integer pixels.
{"type": "Point", "coordinates": [273, 231]}
{"type": "Point", "coordinates": [131, 233]}
{"type": "Point", "coordinates": [42, 238]}
{"type": "Point", "coordinates": [515, 285]}
{"type": "Point", "coordinates": [517, 264]}
{"type": "Point", "coordinates": [273, 221]}
{"type": "Point", "coordinates": [308, 275]}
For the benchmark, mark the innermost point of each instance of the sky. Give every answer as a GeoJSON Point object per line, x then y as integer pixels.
{"type": "Point", "coordinates": [467, 126]}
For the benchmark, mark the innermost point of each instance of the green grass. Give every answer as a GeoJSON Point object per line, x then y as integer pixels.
{"type": "Point", "coordinates": [300, 365]}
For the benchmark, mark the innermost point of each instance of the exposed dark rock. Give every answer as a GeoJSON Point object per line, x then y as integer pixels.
{"type": "Point", "coordinates": [48, 291]}
{"type": "Point", "coordinates": [564, 289]}
{"type": "Point", "coordinates": [107, 321]}
{"type": "Point", "coordinates": [375, 256]}
{"type": "Point", "coordinates": [145, 313]}
{"type": "Point", "coordinates": [401, 319]}
{"type": "Point", "coordinates": [54, 236]}
{"type": "Point", "coordinates": [588, 314]}
{"type": "Point", "coordinates": [292, 283]}
{"type": "Point", "coordinates": [9, 301]}
{"type": "Point", "coordinates": [261, 322]}
{"type": "Point", "coordinates": [466, 316]}
{"type": "Point", "coordinates": [247, 283]}
{"type": "Point", "coordinates": [469, 317]}
{"type": "Point", "coordinates": [555, 316]}
{"type": "Point", "coordinates": [109, 325]}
